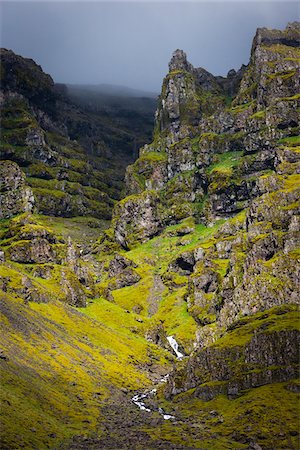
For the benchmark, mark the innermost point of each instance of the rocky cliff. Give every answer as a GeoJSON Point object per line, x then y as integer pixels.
{"type": "Point", "coordinates": [210, 151]}
{"type": "Point", "coordinates": [232, 165]}
{"type": "Point", "coordinates": [74, 160]}
{"type": "Point", "coordinates": [203, 248]}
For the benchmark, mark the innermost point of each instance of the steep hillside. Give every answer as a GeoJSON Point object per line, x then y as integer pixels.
{"type": "Point", "coordinates": [74, 160]}
{"type": "Point", "coordinates": [177, 327]}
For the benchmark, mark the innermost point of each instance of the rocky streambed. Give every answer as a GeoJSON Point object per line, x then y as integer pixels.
{"type": "Point", "coordinates": [140, 399]}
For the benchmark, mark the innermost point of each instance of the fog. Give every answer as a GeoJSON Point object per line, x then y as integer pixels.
{"type": "Point", "coordinates": [130, 44]}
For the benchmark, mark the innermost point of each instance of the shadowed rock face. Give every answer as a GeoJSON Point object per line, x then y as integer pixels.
{"type": "Point", "coordinates": [74, 159]}
{"type": "Point", "coordinates": [24, 76]}
{"type": "Point", "coordinates": [289, 37]}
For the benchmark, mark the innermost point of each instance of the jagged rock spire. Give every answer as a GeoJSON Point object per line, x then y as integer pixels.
{"type": "Point", "coordinates": [179, 61]}
{"type": "Point", "coordinates": [289, 37]}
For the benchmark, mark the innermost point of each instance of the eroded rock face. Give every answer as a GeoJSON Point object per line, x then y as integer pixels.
{"type": "Point", "coordinates": [15, 196]}
{"type": "Point", "coordinates": [32, 251]}
{"type": "Point", "coordinates": [137, 219]}
{"type": "Point", "coordinates": [118, 264]}
{"type": "Point", "coordinates": [121, 272]}
{"type": "Point", "coordinates": [268, 357]}
{"type": "Point", "coordinates": [197, 132]}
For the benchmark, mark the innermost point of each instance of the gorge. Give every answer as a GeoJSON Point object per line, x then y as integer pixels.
{"type": "Point", "coordinates": [152, 302]}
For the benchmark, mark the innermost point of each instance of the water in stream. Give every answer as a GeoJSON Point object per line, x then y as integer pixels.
{"type": "Point", "coordinates": [138, 399]}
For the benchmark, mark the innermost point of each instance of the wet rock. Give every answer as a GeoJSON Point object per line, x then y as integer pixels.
{"type": "Point", "coordinates": [158, 336]}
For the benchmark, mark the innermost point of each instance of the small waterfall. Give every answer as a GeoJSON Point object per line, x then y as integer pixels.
{"type": "Point", "coordinates": [138, 399]}
{"type": "Point", "coordinates": [173, 343]}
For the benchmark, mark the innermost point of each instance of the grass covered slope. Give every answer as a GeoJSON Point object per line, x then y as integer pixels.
{"type": "Point", "coordinates": [60, 367]}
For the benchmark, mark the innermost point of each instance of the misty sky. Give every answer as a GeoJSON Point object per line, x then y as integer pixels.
{"type": "Point", "coordinates": [131, 43]}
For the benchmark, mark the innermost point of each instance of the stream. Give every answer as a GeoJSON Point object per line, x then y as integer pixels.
{"type": "Point", "coordinates": [138, 399]}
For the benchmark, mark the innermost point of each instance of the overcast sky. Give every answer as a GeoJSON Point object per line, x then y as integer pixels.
{"type": "Point", "coordinates": [131, 43]}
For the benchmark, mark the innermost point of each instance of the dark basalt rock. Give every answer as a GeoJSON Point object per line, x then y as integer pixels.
{"type": "Point", "coordinates": [118, 264]}
{"type": "Point", "coordinates": [184, 264]}
{"type": "Point", "coordinates": [289, 37]}
{"type": "Point", "coordinates": [24, 76]}
{"type": "Point", "coordinates": [269, 357]}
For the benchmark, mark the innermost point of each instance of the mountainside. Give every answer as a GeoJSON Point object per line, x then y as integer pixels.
{"type": "Point", "coordinates": [177, 326]}
{"type": "Point", "coordinates": [74, 160]}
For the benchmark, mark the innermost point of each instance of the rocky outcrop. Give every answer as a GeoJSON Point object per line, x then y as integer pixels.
{"type": "Point", "coordinates": [136, 218]}
{"type": "Point", "coordinates": [214, 160]}
{"type": "Point", "coordinates": [207, 156]}
{"type": "Point", "coordinates": [226, 367]}
{"type": "Point", "coordinates": [121, 272]}
{"type": "Point", "coordinates": [24, 76]}
{"type": "Point", "coordinates": [15, 195]}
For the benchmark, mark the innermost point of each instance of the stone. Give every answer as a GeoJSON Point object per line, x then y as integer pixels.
{"type": "Point", "coordinates": [137, 218]}
{"type": "Point", "coordinates": [16, 197]}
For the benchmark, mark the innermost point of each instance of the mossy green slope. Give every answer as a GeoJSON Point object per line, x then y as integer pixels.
{"type": "Point", "coordinates": [60, 367]}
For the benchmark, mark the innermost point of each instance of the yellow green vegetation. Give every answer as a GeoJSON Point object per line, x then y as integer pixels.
{"type": "Point", "coordinates": [258, 115]}
{"type": "Point", "coordinates": [290, 141]}
{"type": "Point", "coordinates": [266, 415]}
{"type": "Point", "coordinates": [285, 317]}
{"type": "Point", "coordinates": [283, 75]}
{"type": "Point", "coordinates": [61, 366]}
{"type": "Point", "coordinates": [288, 52]}
{"type": "Point", "coordinates": [244, 106]}
{"type": "Point", "coordinates": [166, 305]}
{"type": "Point", "coordinates": [225, 162]}
{"type": "Point", "coordinates": [82, 230]}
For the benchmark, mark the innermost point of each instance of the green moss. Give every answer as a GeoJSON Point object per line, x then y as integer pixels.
{"type": "Point", "coordinates": [271, 413]}
{"type": "Point", "coordinates": [225, 162]}
{"type": "Point", "coordinates": [292, 98]}
{"type": "Point", "coordinates": [285, 317]}
{"type": "Point", "coordinates": [258, 115]}
{"type": "Point", "coordinates": [283, 75]}
{"type": "Point", "coordinates": [221, 266]}
{"type": "Point", "coordinates": [177, 321]}
{"type": "Point", "coordinates": [282, 50]}
{"type": "Point", "coordinates": [240, 108]}
{"type": "Point", "coordinates": [153, 156]}
{"type": "Point", "coordinates": [290, 141]}
{"type": "Point", "coordinates": [61, 360]}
